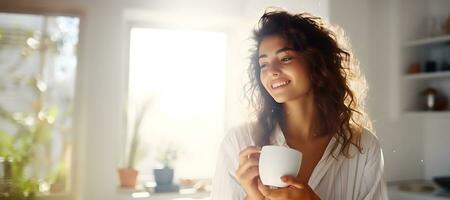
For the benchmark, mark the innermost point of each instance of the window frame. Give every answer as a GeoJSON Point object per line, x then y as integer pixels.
{"type": "Point", "coordinates": [47, 8]}
{"type": "Point", "coordinates": [135, 18]}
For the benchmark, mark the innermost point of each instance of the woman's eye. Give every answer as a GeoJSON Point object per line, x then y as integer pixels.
{"type": "Point", "coordinates": [286, 59]}
{"type": "Point", "coordinates": [262, 65]}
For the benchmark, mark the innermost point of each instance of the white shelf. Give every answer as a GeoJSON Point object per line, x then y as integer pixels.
{"type": "Point", "coordinates": [430, 75]}
{"type": "Point", "coordinates": [442, 113]}
{"type": "Point", "coordinates": [428, 41]}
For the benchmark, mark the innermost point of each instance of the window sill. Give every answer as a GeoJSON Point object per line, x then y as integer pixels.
{"type": "Point", "coordinates": [54, 196]}
{"type": "Point", "coordinates": [141, 193]}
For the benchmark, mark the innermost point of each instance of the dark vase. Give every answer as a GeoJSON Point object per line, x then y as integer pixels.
{"type": "Point", "coordinates": [430, 66]}
{"type": "Point", "coordinates": [163, 176]}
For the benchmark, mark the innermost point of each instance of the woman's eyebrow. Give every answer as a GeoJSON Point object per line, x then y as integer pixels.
{"type": "Point", "coordinates": [284, 49]}
{"type": "Point", "coordinates": [262, 56]}
{"type": "Point", "coordinates": [278, 51]}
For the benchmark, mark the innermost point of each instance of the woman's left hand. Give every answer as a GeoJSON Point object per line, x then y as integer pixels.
{"type": "Point", "coordinates": [296, 190]}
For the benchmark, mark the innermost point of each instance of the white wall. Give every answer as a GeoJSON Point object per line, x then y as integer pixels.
{"type": "Point", "coordinates": [373, 32]}
{"type": "Point", "coordinates": [437, 148]}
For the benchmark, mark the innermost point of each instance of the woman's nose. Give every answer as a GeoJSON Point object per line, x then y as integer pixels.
{"type": "Point", "coordinates": [274, 69]}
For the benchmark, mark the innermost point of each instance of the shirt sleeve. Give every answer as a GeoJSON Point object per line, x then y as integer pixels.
{"type": "Point", "coordinates": [224, 184]}
{"type": "Point", "coordinates": [373, 186]}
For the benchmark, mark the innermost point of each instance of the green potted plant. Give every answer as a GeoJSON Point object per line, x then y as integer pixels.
{"type": "Point", "coordinates": [128, 174]}
{"type": "Point", "coordinates": [167, 155]}
{"type": "Point", "coordinates": [28, 128]}
{"type": "Point", "coordinates": [18, 151]}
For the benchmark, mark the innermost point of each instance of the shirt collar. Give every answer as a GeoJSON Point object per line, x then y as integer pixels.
{"type": "Point", "coordinates": [325, 162]}
{"type": "Point", "coordinates": [277, 138]}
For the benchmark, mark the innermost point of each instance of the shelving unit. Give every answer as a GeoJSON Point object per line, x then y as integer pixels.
{"type": "Point", "coordinates": [421, 135]}
{"type": "Point", "coordinates": [419, 47]}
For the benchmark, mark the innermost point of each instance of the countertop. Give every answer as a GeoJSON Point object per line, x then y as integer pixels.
{"type": "Point", "coordinates": [416, 190]}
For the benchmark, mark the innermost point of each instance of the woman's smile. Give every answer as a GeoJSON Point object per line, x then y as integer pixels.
{"type": "Point", "coordinates": [279, 84]}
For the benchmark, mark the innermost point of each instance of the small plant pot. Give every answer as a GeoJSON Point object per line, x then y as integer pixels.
{"type": "Point", "coordinates": [163, 176]}
{"type": "Point", "coordinates": [128, 177]}
{"type": "Point", "coordinates": [57, 187]}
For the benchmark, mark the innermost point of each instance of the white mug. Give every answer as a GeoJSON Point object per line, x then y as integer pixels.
{"type": "Point", "coordinates": [277, 161]}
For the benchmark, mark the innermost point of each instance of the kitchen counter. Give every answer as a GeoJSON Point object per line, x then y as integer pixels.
{"type": "Point", "coordinates": [416, 190]}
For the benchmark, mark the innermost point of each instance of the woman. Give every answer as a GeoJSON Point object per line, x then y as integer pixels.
{"type": "Point", "coordinates": [308, 94]}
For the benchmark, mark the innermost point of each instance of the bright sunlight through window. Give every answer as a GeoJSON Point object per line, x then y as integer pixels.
{"type": "Point", "coordinates": [181, 74]}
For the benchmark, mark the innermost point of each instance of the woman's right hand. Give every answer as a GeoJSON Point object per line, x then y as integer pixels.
{"type": "Point", "coordinates": [248, 172]}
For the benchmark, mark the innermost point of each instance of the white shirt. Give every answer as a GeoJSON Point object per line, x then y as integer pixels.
{"type": "Point", "coordinates": [357, 178]}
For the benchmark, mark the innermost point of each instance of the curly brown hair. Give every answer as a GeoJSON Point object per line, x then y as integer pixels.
{"type": "Point", "coordinates": [339, 88]}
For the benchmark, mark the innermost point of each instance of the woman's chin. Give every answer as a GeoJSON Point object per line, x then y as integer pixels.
{"type": "Point", "coordinates": [286, 98]}
{"type": "Point", "coordinates": [280, 99]}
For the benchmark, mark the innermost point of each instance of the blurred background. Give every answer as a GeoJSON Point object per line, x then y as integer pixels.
{"type": "Point", "coordinates": [130, 99]}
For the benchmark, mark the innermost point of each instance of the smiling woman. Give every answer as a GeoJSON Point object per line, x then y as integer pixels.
{"type": "Point", "coordinates": [308, 94]}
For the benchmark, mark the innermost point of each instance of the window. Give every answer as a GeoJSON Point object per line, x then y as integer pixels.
{"type": "Point", "coordinates": [37, 81]}
{"type": "Point", "coordinates": [182, 76]}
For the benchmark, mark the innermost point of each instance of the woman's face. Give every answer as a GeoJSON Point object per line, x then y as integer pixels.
{"type": "Point", "coordinates": [284, 72]}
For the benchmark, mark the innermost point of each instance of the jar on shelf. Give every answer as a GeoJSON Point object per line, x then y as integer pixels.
{"type": "Point", "coordinates": [434, 101]}
{"type": "Point", "coordinates": [430, 66]}
{"type": "Point", "coordinates": [414, 68]}
{"type": "Point", "coordinates": [447, 25]}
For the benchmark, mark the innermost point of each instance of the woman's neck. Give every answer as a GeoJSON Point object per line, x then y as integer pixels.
{"type": "Point", "coordinates": [298, 118]}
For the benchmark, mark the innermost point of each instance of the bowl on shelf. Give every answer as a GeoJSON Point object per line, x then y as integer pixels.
{"type": "Point", "coordinates": [443, 182]}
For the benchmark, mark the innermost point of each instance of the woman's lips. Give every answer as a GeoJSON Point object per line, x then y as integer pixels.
{"type": "Point", "coordinates": [280, 84]}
